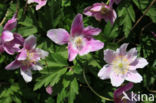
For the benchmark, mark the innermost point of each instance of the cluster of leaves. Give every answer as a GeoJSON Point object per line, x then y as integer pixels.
{"type": "Point", "coordinates": [66, 78]}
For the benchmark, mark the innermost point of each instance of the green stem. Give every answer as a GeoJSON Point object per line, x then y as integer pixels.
{"type": "Point", "coordinates": [84, 76]}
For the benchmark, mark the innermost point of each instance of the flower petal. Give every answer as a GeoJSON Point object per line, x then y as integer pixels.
{"type": "Point", "coordinates": [72, 52]}
{"type": "Point", "coordinates": [30, 42]}
{"type": "Point", "coordinates": [122, 50]}
{"type": "Point", "coordinates": [87, 11]}
{"type": "Point", "coordinates": [104, 73]}
{"type": "Point", "coordinates": [59, 36]}
{"type": "Point", "coordinates": [138, 63]}
{"type": "Point", "coordinates": [30, 1]}
{"type": "Point", "coordinates": [91, 46]}
{"type": "Point", "coordinates": [96, 45]}
{"type": "Point", "coordinates": [109, 55]}
{"type": "Point", "coordinates": [122, 89]}
{"type": "Point", "coordinates": [133, 76]}
{"type": "Point", "coordinates": [13, 65]}
{"type": "Point", "coordinates": [41, 3]}
{"type": "Point", "coordinates": [27, 75]}
{"type": "Point", "coordinates": [43, 53]}
{"type": "Point", "coordinates": [116, 79]}
{"type": "Point", "coordinates": [49, 90]}
{"type": "Point", "coordinates": [37, 67]}
{"type": "Point", "coordinates": [11, 24]}
{"type": "Point", "coordinates": [22, 55]}
{"type": "Point", "coordinates": [7, 36]}
{"type": "Point", "coordinates": [89, 31]}
{"type": "Point", "coordinates": [77, 25]}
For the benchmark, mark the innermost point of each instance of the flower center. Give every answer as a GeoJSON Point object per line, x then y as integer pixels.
{"type": "Point", "coordinates": [78, 41]}
{"type": "Point", "coordinates": [104, 10]}
{"type": "Point", "coordinates": [120, 65]}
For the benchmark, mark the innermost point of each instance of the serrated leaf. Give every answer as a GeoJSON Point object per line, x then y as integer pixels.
{"type": "Point", "coordinates": [73, 91]}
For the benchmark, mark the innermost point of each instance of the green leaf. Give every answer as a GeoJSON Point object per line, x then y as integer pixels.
{"type": "Point", "coordinates": [51, 78]}
{"type": "Point", "coordinates": [73, 91]}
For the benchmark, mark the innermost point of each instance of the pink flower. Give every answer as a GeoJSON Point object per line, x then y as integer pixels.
{"type": "Point", "coordinates": [114, 1]}
{"type": "Point", "coordinates": [80, 40]}
{"type": "Point", "coordinates": [28, 59]}
{"type": "Point", "coordinates": [40, 3]}
{"type": "Point", "coordinates": [118, 94]}
{"type": "Point", "coordinates": [49, 90]}
{"type": "Point", "coordinates": [101, 11]}
{"type": "Point", "coordinates": [122, 66]}
{"type": "Point", "coordinates": [10, 42]}
{"type": "Point", "coordinates": [154, 34]}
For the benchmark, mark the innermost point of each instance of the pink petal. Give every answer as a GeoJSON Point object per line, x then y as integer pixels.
{"type": "Point", "coordinates": [22, 55]}
{"type": "Point", "coordinates": [11, 24]}
{"type": "Point", "coordinates": [30, 42]}
{"type": "Point", "coordinates": [133, 76]}
{"type": "Point", "coordinates": [72, 52]}
{"type": "Point", "coordinates": [91, 46]}
{"type": "Point", "coordinates": [7, 36]}
{"type": "Point", "coordinates": [96, 45]}
{"type": "Point", "coordinates": [27, 75]}
{"type": "Point", "coordinates": [42, 53]}
{"type": "Point", "coordinates": [116, 79]}
{"type": "Point", "coordinates": [8, 47]}
{"type": "Point", "coordinates": [49, 90]}
{"type": "Point", "coordinates": [41, 3]}
{"type": "Point", "coordinates": [96, 8]}
{"type": "Point", "coordinates": [87, 11]}
{"type": "Point", "coordinates": [13, 65]}
{"type": "Point", "coordinates": [109, 55]}
{"type": "Point", "coordinates": [77, 25]}
{"type": "Point", "coordinates": [104, 73]}
{"type": "Point", "coordinates": [89, 31]}
{"type": "Point", "coordinates": [124, 88]}
{"type": "Point", "coordinates": [122, 50]}
{"type": "Point", "coordinates": [138, 63]}
{"type": "Point", "coordinates": [59, 36]}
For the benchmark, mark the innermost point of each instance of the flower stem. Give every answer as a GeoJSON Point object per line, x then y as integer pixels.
{"type": "Point", "coordinates": [84, 76]}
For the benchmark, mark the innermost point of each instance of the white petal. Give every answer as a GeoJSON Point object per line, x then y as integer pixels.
{"type": "Point", "coordinates": [37, 67]}
{"type": "Point", "coordinates": [27, 75]}
{"type": "Point", "coordinates": [133, 76]}
{"type": "Point", "coordinates": [104, 73]}
{"type": "Point", "coordinates": [116, 79]}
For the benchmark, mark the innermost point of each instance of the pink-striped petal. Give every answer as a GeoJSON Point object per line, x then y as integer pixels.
{"type": "Point", "coordinates": [134, 77]}
{"type": "Point", "coordinates": [30, 42]}
{"type": "Point", "coordinates": [77, 25]}
{"type": "Point", "coordinates": [11, 24]}
{"type": "Point", "coordinates": [116, 79]}
{"type": "Point", "coordinates": [89, 31]}
{"type": "Point", "coordinates": [22, 55]}
{"type": "Point", "coordinates": [13, 65]}
{"type": "Point", "coordinates": [7, 36]}
{"type": "Point", "coordinates": [59, 36]}
{"type": "Point", "coordinates": [138, 63]}
{"type": "Point", "coordinates": [72, 52]}
{"type": "Point", "coordinates": [109, 55]}
{"type": "Point", "coordinates": [104, 73]}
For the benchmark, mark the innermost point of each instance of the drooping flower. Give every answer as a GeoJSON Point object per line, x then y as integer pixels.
{"type": "Point", "coordinates": [10, 42]}
{"type": "Point", "coordinates": [80, 40]}
{"type": "Point", "coordinates": [101, 11]}
{"type": "Point", "coordinates": [40, 3]}
{"type": "Point", "coordinates": [154, 34]}
{"type": "Point", "coordinates": [28, 59]}
{"type": "Point", "coordinates": [114, 1]}
{"type": "Point", "coordinates": [123, 91]}
{"type": "Point", "coordinates": [122, 66]}
{"type": "Point", "coordinates": [49, 90]}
